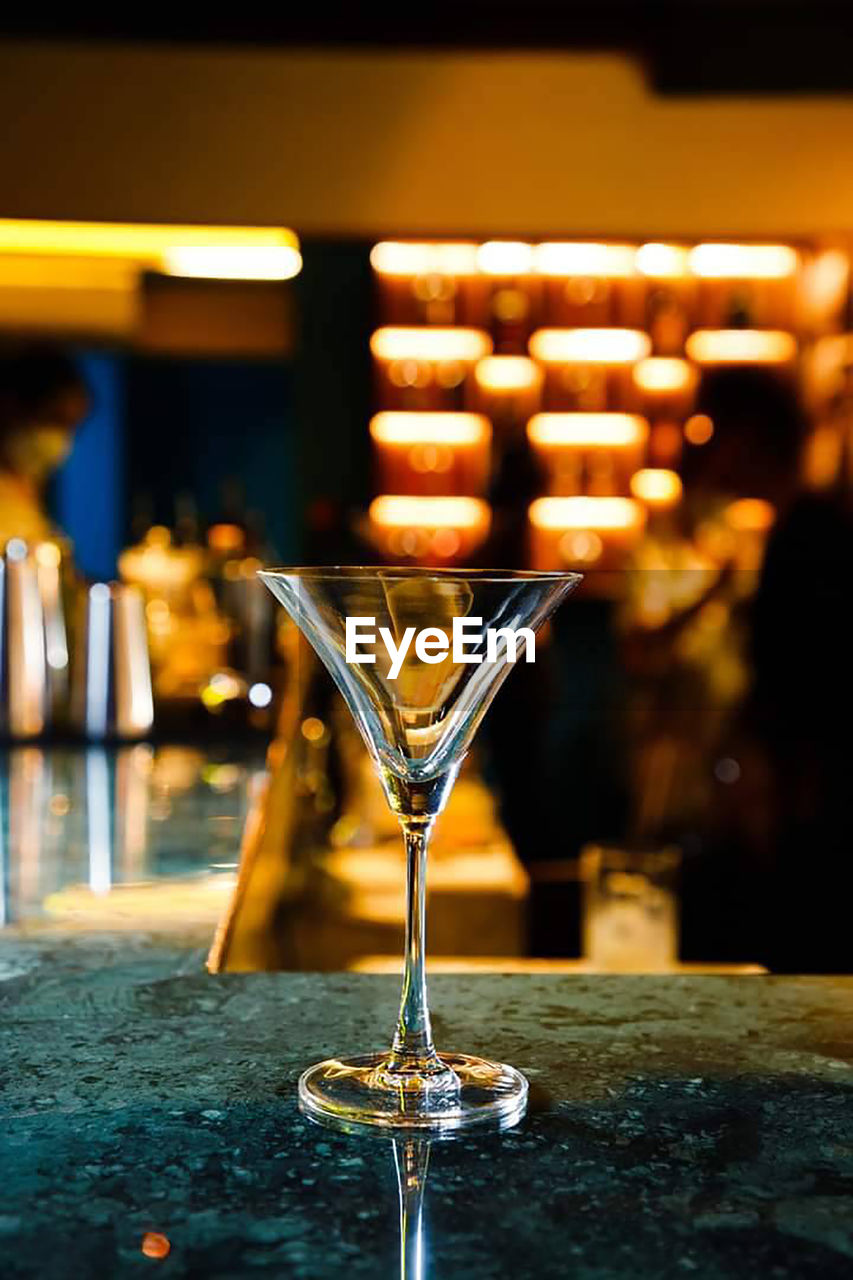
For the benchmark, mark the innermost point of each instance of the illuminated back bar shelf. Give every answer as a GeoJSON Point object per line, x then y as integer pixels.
{"type": "Point", "coordinates": [586, 531]}
{"type": "Point", "coordinates": [594, 453]}
{"type": "Point", "coordinates": [431, 529]}
{"type": "Point", "coordinates": [593, 351]}
{"type": "Point", "coordinates": [431, 453]}
{"type": "Point", "coordinates": [741, 346]}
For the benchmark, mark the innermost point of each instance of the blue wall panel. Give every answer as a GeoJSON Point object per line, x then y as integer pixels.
{"type": "Point", "coordinates": [89, 490]}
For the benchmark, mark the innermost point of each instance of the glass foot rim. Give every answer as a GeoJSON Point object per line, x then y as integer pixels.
{"type": "Point", "coordinates": [343, 1093]}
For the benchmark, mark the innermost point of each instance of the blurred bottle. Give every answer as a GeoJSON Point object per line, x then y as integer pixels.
{"type": "Point", "coordinates": [23, 666]}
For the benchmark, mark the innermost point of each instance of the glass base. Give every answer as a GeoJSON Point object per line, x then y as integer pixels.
{"type": "Point", "coordinates": [360, 1093]}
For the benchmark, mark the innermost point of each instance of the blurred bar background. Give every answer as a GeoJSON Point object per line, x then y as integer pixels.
{"type": "Point", "coordinates": [546, 298]}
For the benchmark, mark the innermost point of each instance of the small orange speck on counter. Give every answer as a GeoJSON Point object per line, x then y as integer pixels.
{"type": "Point", "coordinates": [156, 1245]}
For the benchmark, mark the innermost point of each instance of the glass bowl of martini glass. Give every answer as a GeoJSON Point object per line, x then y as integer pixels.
{"type": "Point", "coordinates": [418, 655]}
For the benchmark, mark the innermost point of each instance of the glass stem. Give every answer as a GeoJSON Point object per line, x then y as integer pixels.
{"type": "Point", "coordinates": [413, 1049]}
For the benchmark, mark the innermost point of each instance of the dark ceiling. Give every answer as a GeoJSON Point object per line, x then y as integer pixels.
{"type": "Point", "coordinates": [686, 46]}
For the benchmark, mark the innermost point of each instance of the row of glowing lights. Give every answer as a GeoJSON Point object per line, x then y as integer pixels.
{"type": "Point", "coordinates": [651, 487]}
{"type": "Point", "coordinates": [460, 430]}
{"type": "Point", "coordinates": [563, 258]}
{"type": "Point", "coordinates": [520, 373]}
{"type": "Point", "coordinates": [225, 253]}
{"type": "Point", "coordinates": [435, 344]}
{"type": "Point", "coordinates": [610, 430]}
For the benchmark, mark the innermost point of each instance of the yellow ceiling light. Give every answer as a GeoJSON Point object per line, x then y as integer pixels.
{"type": "Point", "coordinates": [587, 430]}
{"type": "Point", "coordinates": [405, 511]}
{"type": "Point", "coordinates": [656, 486]}
{"type": "Point", "coordinates": [66, 273]}
{"type": "Point", "coordinates": [741, 346]}
{"type": "Point", "coordinates": [587, 513]}
{"type": "Point", "coordinates": [430, 428]}
{"type": "Point", "coordinates": [664, 373]}
{"type": "Point", "coordinates": [505, 258]}
{"type": "Point", "coordinates": [662, 261]}
{"type": "Point", "coordinates": [232, 252]}
{"type": "Point", "coordinates": [743, 261]}
{"type": "Point", "coordinates": [406, 258]}
{"type": "Point", "coordinates": [557, 258]}
{"type": "Point", "coordinates": [507, 373]}
{"type": "Point", "coordinates": [589, 346]}
{"type": "Point", "coordinates": [233, 262]}
{"type": "Point", "coordinates": [430, 343]}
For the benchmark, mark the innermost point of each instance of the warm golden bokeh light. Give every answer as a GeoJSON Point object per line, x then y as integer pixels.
{"type": "Point", "coordinates": [313, 729]}
{"type": "Point", "coordinates": [431, 344]}
{"type": "Point", "coordinates": [589, 346]}
{"type": "Point", "coordinates": [405, 511]}
{"type": "Point", "coordinates": [401, 258]}
{"type": "Point", "coordinates": [662, 261]}
{"type": "Point", "coordinates": [558, 258]}
{"type": "Point", "coordinates": [743, 261]}
{"type": "Point", "coordinates": [613, 430]}
{"type": "Point", "coordinates": [505, 258]}
{"type": "Point", "coordinates": [750, 515]}
{"type": "Point", "coordinates": [581, 546]}
{"type": "Point", "coordinates": [225, 538]}
{"type": "Point", "coordinates": [823, 455]}
{"type": "Point", "coordinates": [582, 512]}
{"type": "Point", "coordinates": [825, 365]}
{"type": "Point", "coordinates": [48, 555]}
{"type": "Point", "coordinates": [664, 373]}
{"type": "Point", "coordinates": [741, 346]}
{"type": "Point", "coordinates": [233, 262]}
{"type": "Point", "coordinates": [430, 428]}
{"type": "Point", "coordinates": [698, 429]}
{"type": "Point", "coordinates": [656, 487]}
{"type": "Point", "coordinates": [507, 373]}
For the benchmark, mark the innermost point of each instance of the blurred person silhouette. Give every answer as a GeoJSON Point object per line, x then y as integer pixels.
{"type": "Point", "coordinates": [43, 399]}
{"type": "Point", "coordinates": [757, 433]}
{"type": "Point", "coordinates": [801, 712]}
{"type": "Point", "coordinates": [717, 800]}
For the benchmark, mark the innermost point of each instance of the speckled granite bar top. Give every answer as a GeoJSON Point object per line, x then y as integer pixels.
{"type": "Point", "coordinates": [698, 1127]}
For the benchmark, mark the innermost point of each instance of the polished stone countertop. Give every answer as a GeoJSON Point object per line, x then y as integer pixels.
{"type": "Point", "coordinates": [679, 1126]}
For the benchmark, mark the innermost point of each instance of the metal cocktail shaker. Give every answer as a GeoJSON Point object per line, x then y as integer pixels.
{"type": "Point", "coordinates": [112, 695]}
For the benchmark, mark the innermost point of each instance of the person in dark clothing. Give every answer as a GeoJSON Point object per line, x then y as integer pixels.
{"type": "Point", "coordinates": [778, 841]}
{"type": "Point", "coordinates": [730, 863]}
{"type": "Point", "coordinates": [801, 711]}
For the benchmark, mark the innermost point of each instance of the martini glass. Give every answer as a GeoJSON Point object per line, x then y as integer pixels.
{"type": "Point", "coordinates": [418, 717]}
